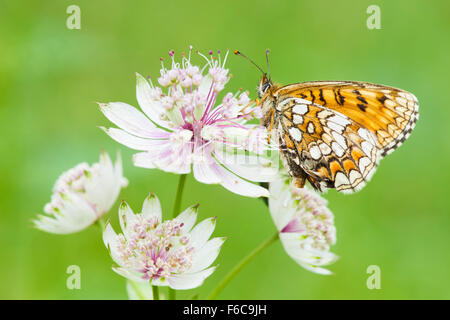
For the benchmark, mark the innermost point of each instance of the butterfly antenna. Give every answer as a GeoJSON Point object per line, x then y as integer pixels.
{"type": "Point", "coordinates": [267, 61]}
{"type": "Point", "coordinates": [238, 53]}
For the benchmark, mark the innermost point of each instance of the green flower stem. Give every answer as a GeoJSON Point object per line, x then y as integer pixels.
{"type": "Point", "coordinates": [155, 291]}
{"type": "Point", "coordinates": [179, 195]}
{"type": "Point", "coordinates": [175, 212]}
{"type": "Point", "coordinates": [101, 224]}
{"type": "Point", "coordinates": [172, 294]}
{"type": "Point", "coordinates": [241, 265]}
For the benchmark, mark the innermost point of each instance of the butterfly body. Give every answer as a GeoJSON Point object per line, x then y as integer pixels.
{"type": "Point", "coordinates": [333, 133]}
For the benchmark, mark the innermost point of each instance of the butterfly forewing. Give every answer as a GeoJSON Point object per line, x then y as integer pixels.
{"type": "Point", "coordinates": [388, 112]}
{"type": "Point", "coordinates": [333, 133]}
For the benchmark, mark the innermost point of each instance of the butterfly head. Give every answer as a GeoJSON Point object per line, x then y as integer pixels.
{"type": "Point", "coordinates": [264, 85]}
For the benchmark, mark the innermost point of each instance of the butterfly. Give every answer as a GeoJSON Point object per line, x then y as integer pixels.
{"type": "Point", "coordinates": [334, 133]}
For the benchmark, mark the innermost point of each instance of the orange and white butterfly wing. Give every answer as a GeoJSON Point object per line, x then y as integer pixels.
{"type": "Point", "coordinates": [334, 132]}
{"type": "Point", "coordinates": [388, 112]}
{"type": "Point", "coordinates": [333, 150]}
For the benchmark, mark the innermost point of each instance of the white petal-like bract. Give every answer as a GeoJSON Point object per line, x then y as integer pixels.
{"type": "Point", "coordinates": [82, 195]}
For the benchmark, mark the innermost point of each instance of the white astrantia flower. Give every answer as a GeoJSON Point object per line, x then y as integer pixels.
{"type": "Point", "coordinates": [305, 225]}
{"type": "Point", "coordinates": [82, 195]}
{"type": "Point", "coordinates": [181, 127]}
{"type": "Point", "coordinates": [170, 253]}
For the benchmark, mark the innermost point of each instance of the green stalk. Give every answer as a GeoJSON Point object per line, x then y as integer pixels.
{"type": "Point", "coordinates": [179, 195]}
{"type": "Point", "coordinates": [101, 224]}
{"type": "Point", "coordinates": [241, 265]}
{"type": "Point", "coordinates": [175, 212]}
{"type": "Point", "coordinates": [155, 290]}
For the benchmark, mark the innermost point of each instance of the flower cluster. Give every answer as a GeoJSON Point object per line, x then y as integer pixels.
{"type": "Point", "coordinates": [165, 253]}
{"type": "Point", "coordinates": [183, 128]}
{"type": "Point", "coordinates": [305, 224]}
{"type": "Point", "coordinates": [82, 195]}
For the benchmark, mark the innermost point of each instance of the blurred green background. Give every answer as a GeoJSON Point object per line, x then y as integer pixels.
{"type": "Point", "coordinates": [51, 77]}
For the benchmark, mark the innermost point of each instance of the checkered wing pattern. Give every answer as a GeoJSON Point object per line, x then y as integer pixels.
{"type": "Point", "coordinates": [333, 134]}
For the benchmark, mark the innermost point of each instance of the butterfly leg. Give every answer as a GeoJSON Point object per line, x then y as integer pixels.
{"type": "Point", "coordinates": [268, 123]}
{"type": "Point", "coordinates": [315, 183]}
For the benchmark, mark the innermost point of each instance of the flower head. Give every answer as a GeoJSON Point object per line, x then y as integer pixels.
{"type": "Point", "coordinates": [82, 195]}
{"type": "Point", "coordinates": [305, 224]}
{"type": "Point", "coordinates": [183, 127]}
{"type": "Point", "coordinates": [164, 253]}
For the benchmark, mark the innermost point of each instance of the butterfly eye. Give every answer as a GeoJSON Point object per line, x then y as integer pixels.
{"type": "Point", "coordinates": [263, 88]}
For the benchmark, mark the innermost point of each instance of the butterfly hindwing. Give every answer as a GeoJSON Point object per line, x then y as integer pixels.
{"type": "Point", "coordinates": [329, 147]}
